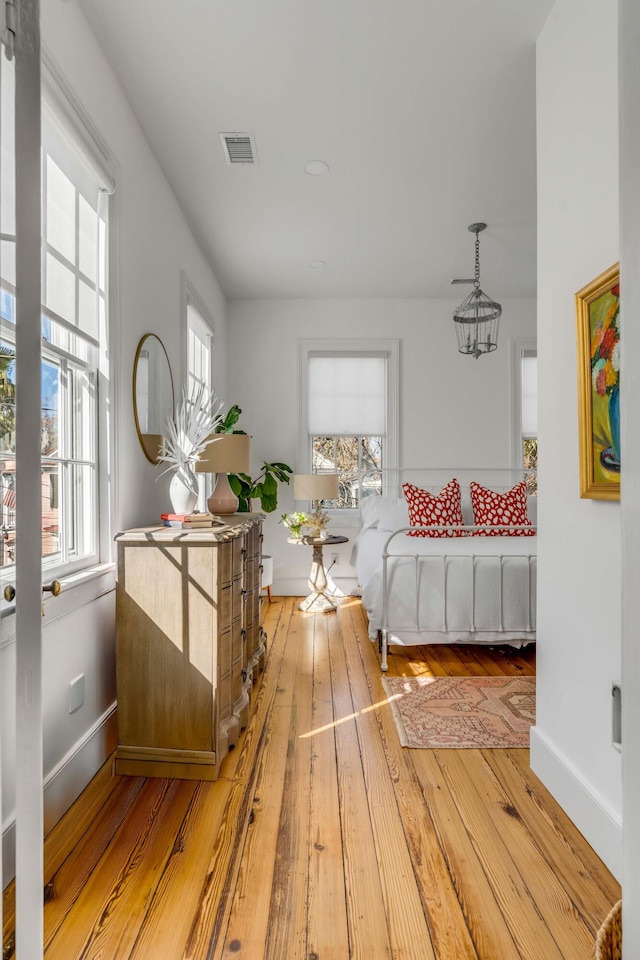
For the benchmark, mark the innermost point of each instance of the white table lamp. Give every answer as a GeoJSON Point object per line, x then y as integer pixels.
{"type": "Point", "coordinates": [316, 487]}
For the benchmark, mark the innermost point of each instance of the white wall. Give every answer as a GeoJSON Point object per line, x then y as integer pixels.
{"type": "Point", "coordinates": [152, 246]}
{"type": "Point", "coordinates": [579, 563]}
{"type": "Point", "coordinates": [454, 411]}
{"type": "Point", "coordinates": [629, 36]}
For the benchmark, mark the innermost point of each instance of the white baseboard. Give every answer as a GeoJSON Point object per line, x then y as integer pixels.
{"type": "Point", "coordinates": [299, 586]}
{"type": "Point", "coordinates": [66, 781]}
{"type": "Point", "coordinates": [600, 825]}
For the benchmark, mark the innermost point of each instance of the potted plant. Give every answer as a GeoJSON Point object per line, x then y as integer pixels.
{"type": "Point", "coordinates": [264, 487]}
{"type": "Point", "coordinates": [187, 433]}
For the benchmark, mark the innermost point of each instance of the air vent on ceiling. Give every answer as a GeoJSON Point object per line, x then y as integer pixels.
{"type": "Point", "coordinates": [456, 280]}
{"type": "Point", "coordinates": [239, 147]}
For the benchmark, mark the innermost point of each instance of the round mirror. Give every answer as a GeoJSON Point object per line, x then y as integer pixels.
{"type": "Point", "coordinates": [152, 394]}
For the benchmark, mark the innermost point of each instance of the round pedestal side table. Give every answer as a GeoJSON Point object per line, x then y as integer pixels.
{"type": "Point", "coordinates": [318, 601]}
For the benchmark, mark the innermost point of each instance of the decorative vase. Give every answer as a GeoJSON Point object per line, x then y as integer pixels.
{"type": "Point", "coordinates": [183, 491]}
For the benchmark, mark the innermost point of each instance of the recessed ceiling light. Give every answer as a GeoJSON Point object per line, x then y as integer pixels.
{"type": "Point", "coordinates": [318, 264]}
{"type": "Point", "coordinates": [316, 167]}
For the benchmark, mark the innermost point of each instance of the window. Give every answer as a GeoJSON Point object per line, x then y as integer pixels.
{"type": "Point", "coordinates": [74, 370]}
{"type": "Point", "coordinates": [525, 383]}
{"type": "Point", "coordinates": [199, 371]}
{"type": "Point", "coordinates": [199, 347]}
{"type": "Point", "coordinates": [348, 405]}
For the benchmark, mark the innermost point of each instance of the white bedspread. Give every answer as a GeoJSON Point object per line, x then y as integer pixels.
{"type": "Point", "coordinates": [444, 590]}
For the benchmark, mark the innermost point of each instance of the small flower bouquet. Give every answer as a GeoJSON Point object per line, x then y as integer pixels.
{"type": "Point", "coordinates": [294, 522]}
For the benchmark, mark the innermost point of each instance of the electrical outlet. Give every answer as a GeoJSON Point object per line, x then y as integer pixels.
{"type": "Point", "coordinates": [335, 557]}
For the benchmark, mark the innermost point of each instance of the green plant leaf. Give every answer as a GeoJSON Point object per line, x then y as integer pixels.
{"type": "Point", "coordinates": [281, 471]}
{"type": "Point", "coordinates": [269, 502]}
{"type": "Point", "coordinates": [227, 424]}
{"type": "Point", "coordinates": [236, 484]}
{"type": "Point", "coordinates": [263, 488]}
{"type": "Point", "coordinates": [269, 484]}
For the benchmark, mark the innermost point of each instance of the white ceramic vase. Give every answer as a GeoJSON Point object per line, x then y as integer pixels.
{"type": "Point", "coordinates": [183, 491]}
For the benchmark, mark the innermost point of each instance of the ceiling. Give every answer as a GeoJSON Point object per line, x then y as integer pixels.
{"type": "Point", "coordinates": [424, 111]}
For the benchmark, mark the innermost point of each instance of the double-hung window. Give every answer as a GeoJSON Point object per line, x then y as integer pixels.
{"type": "Point", "coordinates": [199, 346]}
{"type": "Point", "coordinates": [525, 407]}
{"type": "Point", "coordinates": [74, 366]}
{"type": "Point", "coordinates": [348, 415]}
{"type": "Point", "coordinates": [199, 372]}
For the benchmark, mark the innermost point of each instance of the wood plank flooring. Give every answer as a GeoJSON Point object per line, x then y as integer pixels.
{"type": "Point", "coordinates": [324, 839]}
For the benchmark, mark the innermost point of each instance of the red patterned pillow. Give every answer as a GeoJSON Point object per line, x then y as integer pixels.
{"type": "Point", "coordinates": [493, 508]}
{"type": "Point", "coordinates": [426, 509]}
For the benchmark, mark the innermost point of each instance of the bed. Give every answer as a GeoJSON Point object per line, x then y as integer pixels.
{"type": "Point", "coordinates": [462, 582]}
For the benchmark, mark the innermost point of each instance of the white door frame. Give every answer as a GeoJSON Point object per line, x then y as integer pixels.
{"type": "Point", "coordinates": [629, 113]}
{"type": "Point", "coordinates": [28, 597]}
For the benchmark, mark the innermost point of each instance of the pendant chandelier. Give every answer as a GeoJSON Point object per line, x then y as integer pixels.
{"type": "Point", "coordinates": [477, 319]}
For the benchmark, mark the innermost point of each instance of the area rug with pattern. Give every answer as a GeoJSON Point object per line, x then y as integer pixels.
{"type": "Point", "coordinates": [462, 712]}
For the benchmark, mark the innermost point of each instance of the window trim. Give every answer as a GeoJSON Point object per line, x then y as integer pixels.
{"type": "Point", "coordinates": [190, 297]}
{"type": "Point", "coordinates": [66, 115]}
{"type": "Point", "coordinates": [519, 348]}
{"type": "Point", "coordinates": [339, 347]}
{"type": "Point", "coordinates": [64, 109]}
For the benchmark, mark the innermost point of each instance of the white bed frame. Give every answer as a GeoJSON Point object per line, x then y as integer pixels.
{"type": "Point", "coordinates": [492, 633]}
{"type": "Point", "coordinates": [500, 480]}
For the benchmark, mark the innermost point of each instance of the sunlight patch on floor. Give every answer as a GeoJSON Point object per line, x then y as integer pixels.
{"type": "Point", "coordinates": [351, 716]}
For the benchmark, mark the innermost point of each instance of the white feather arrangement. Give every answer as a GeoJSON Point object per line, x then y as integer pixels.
{"type": "Point", "coordinates": [189, 431]}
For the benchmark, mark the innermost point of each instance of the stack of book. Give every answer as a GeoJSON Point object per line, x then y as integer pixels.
{"type": "Point", "coordinates": [190, 521]}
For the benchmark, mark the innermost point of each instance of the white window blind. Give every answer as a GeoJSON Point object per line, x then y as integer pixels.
{"type": "Point", "coordinates": [347, 396]}
{"type": "Point", "coordinates": [529, 396]}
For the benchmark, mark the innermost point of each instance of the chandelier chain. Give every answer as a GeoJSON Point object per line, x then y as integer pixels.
{"type": "Point", "coordinates": [476, 282]}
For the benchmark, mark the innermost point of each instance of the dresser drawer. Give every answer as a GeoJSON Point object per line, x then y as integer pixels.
{"type": "Point", "coordinates": [225, 609]}
{"type": "Point", "coordinates": [239, 554]}
{"type": "Point", "coordinates": [224, 654]}
{"type": "Point", "coordinates": [225, 563]}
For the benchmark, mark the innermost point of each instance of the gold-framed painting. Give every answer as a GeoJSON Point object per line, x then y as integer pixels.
{"type": "Point", "coordinates": [598, 321]}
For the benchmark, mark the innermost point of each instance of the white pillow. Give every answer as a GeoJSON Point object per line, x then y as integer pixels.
{"type": "Point", "coordinates": [393, 514]}
{"type": "Point", "coordinates": [532, 510]}
{"type": "Point", "coordinates": [467, 509]}
{"type": "Point", "coordinates": [369, 511]}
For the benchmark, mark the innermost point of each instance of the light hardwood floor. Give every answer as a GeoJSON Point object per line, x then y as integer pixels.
{"type": "Point", "coordinates": [324, 839]}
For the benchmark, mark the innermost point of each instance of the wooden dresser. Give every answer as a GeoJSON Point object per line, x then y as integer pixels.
{"type": "Point", "coordinates": [189, 645]}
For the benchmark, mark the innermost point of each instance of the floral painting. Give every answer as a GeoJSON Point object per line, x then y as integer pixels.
{"type": "Point", "coordinates": [598, 317]}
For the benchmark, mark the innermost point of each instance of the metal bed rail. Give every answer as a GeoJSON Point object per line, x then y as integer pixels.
{"type": "Point", "coordinates": [442, 626]}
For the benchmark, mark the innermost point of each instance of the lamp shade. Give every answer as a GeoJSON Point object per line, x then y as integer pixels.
{"type": "Point", "coordinates": [228, 453]}
{"type": "Point", "coordinates": [316, 486]}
